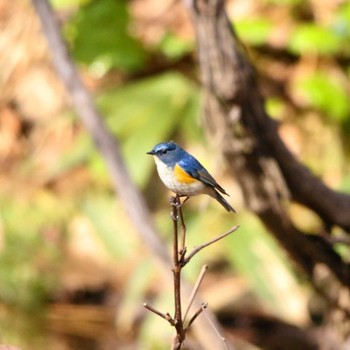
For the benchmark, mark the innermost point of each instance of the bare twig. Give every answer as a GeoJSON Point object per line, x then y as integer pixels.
{"type": "Point", "coordinates": [202, 246]}
{"type": "Point", "coordinates": [166, 316]}
{"type": "Point", "coordinates": [215, 329]}
{"type": "Point", "coordinates": [180, 260]}
{"type": "Point", "coordinates": [195, 291]}
{"type": "Point", "coordinates": [194, 317]}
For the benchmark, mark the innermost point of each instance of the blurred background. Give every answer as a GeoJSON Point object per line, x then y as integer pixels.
{"type": "Point", "coordinates": [73, 273]}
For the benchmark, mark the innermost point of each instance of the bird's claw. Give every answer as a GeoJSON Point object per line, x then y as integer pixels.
{"type": "Point", "coordinates": [175, 201]}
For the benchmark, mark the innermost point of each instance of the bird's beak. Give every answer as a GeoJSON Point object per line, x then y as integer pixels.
{"type": "Point", "coordinates": [151, 153]}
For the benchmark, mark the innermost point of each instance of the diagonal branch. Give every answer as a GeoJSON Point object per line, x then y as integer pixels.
{"type": "Point", "coordinates": [166, 316]}
{"type": "Point", "coordinates": [206, 244]}
{"type": "Point", "coordinates": [268, 174]}
{"type": "Point", "coordinates": [104, 140]}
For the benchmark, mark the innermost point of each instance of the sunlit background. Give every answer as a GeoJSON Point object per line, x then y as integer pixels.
{"type": "Point", "coordinates": [73, 273]}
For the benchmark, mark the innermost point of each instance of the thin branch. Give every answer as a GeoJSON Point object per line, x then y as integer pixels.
{"type": "Point", "coordinates": [202, 246]}
{"type": "Point", "coordinates": [195, 291]}
{"type": "Point", "coordinates": [166, 316]}
{"type": "Point", "coordinates": [194, 317]}
{"type": "Point", "coordinates": [215, 329]}
{"type": "Point", "coordinates": [179, 261]}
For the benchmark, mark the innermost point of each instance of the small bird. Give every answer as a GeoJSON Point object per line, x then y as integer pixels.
{"type": "Point", "coordinates": [185, 175]}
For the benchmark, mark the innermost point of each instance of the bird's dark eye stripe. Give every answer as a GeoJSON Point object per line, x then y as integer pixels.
{"type": "Point", "coordinates": [162, 151]}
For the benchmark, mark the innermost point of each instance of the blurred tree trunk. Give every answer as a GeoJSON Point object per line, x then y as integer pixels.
{"type": "Point", "coordinates": [269, 175]}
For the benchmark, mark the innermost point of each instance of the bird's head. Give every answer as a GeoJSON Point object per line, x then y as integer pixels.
{"type": "Point", "coordinates": [168, 152]}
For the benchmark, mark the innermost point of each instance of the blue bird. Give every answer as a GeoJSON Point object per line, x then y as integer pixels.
{"type": "Point", "coordinates": [185, 175]}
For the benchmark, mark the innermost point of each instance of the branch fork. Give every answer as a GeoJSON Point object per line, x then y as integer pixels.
{"type": "Point", "coordinates": [180, 260]}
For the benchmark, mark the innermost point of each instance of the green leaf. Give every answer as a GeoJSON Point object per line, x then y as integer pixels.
{"type": "Point", "coordinates": [141, 114]}
{"type": "Point", "coordinates": [111, 225]}
{"type": "Point", "coordinates": [255, 31]}
{"type": "Point", "coordinates": [345, 184]}
{"type": "Point", "coordinates": [275, 107]}
{"type": "Point", "coordinates": [28, 254]}
{"type": "Point", "coordinates": [147, 112]}
{"type": "Point", "coordinates": [341, 23]}
{"type": "Point", "coordinates": [175, 47]}
{"type": "Point", "coordinates": [323, 92]}
{"type": "Point", "coordinates": [312, 38]}
{"type": "Point", "coordinates": [100, 38]}
{"type": "Point", "coordinates": [63, 4]}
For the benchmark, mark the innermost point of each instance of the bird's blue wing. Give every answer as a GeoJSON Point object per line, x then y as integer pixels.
{"type": "Point", "coordinates": [195, 169]}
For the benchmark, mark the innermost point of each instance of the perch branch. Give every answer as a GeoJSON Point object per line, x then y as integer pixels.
{"type": "Point", "coordinates": [180, 332]}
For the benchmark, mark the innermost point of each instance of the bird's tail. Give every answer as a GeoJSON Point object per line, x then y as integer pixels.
{"type": "Point", "coordinates": [222, 201]}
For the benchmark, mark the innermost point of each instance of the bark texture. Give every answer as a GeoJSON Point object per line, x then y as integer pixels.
{"type": "Point", "coordinates": [268, 173]}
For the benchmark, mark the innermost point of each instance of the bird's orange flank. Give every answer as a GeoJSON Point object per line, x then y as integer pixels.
{"type": "Point", "coordinates": [182, 176]}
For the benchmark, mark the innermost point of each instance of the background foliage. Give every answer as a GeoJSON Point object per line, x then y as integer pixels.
{"type": "Point", "coordinates": [63, 234]}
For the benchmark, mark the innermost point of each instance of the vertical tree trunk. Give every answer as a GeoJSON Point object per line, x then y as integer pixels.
{"type": "Point", "coordinates": [268, 174]}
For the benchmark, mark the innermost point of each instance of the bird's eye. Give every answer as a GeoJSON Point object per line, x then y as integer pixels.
{"type": "Point", "coordinates": [164, 151]}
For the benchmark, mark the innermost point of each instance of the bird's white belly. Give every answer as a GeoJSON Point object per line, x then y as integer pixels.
{"type": "Point", "coordinates": [169, 179]}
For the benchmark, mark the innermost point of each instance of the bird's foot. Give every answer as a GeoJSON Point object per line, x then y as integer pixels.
{"type": "Point", "coordinates": [175, 201]}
